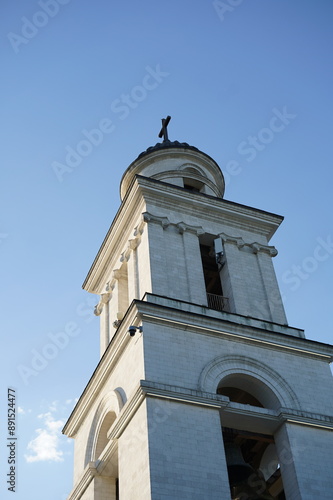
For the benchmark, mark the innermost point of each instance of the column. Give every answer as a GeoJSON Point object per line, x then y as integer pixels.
{"type": "Point", "coordinates": [306, 457]}
{"type": "Point", "coordinates": [274, 300]}
{"type": "Point", "coordinates": [153, 270]}
{"type": "Point", "coordinates": [192, 256]}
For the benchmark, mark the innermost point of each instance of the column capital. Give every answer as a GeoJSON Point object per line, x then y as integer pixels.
{"type": "Point", "coordinates": [183, 227]}
{"type": "Point", "coordinates": [133, 244]}
{"type": "Point", "coordinates": [162, 221]}
{"type": "Point", "coordinates": [105, 297]}
{"type": "Point", "coordinates": [124, 256]}
{"type": "Point", "coordinates": [118, 274]}
{"type": "Point", "coordinates": [235, 240]}
{"type": "Point", "coordinates": [138, 230]}
{"type": "Point", "coordinates": [258, 247]}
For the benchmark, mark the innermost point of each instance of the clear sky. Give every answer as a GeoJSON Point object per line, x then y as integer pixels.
{"type": "Point", "coordinates": [247, 82]}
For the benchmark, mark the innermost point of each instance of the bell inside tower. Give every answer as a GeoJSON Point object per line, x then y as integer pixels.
{"type": "Point", "coordinates": [253, 469]}
{"type": "Point", "coordinates": [252, 462]}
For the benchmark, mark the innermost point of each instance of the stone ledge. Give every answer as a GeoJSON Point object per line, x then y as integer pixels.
{"type": "Point", "coordinates": [231, 317]}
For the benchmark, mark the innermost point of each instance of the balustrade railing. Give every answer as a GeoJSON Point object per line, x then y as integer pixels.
{"type": "Point", "coordinates": [218, 302]}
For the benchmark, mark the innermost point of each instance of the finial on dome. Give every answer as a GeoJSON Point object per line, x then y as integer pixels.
{"type": "Point", "coordinates": [164, 131]}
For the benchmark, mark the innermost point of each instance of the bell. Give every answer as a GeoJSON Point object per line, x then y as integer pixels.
{"type": "Point", "coordinates": [238, 470]}
{"type": "Point", "coordinates": [244, 481]}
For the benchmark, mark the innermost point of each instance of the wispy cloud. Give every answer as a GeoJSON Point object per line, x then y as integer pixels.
{"type": "Point", "coordinates": [46, 446]}
{"type": "Point", "coordinates": [22, 411]}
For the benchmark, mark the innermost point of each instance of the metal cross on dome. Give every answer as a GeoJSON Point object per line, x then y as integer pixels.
{"type": "Point", "coordinates": [164, 131]}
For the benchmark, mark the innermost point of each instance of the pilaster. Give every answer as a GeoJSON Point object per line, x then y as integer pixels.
{"type": "Point", "coordinates": [192, 257]}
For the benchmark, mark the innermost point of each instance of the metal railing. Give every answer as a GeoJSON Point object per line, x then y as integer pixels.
{"type": "Point", "coordinates": [218, 302]}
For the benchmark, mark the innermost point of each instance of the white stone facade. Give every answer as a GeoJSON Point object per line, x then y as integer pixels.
{"type": "Point", "coordinates": [149, 424]}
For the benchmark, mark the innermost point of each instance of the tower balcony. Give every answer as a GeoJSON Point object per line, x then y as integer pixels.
{"type": "Point", "coordinates": [218, 302]}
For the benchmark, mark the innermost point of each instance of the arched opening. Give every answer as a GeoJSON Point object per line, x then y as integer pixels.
{"type": "Point", "coordinates": [252, 463]}
{"type": "Point", "coordinates": [239, 396]}
{"type": "Point", "coordinates": [211, 266]}
{"type": "Point", "coordinates": [193, 185]}
{"type": "Point", "coordinates": [246, 389]}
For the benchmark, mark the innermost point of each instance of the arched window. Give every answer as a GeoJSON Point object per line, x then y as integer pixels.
{"type": "Point", "coordinates": [193, 185]}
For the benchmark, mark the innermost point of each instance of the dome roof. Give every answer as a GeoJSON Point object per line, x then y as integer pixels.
{"type": "Point", "coordinates": [165, 145]}
{"type": "Point", "coordinates": [176, 163]}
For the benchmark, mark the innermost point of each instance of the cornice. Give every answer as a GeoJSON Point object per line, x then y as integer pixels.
{"type": "Point", "coordinates": [209, 207]}
{"type": "Point", "coordinates": [300, 417]}
{"type": "Point", "coordinates": [255, 246]}
{"type": "Point", "coordinates": [232, 326]}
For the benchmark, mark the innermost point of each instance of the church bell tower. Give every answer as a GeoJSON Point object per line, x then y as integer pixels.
{"type": "Point", "coordinates": [203, 391]}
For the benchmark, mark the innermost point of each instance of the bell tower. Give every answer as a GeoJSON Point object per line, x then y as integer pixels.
{"type": "Point", "coordinates": [203, 391]}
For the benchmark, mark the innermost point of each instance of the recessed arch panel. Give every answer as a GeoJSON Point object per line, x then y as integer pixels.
{"type": "Point", "coordinates": [255, 377]}
{"type": "Point", "coordinates": [106, 413]}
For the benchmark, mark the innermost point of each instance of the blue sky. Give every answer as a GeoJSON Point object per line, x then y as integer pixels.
{"type": "Point", "coordinates": [249, 83]}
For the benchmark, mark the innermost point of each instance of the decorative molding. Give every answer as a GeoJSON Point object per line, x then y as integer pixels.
{"type": "Point", "coordinates": [119, 273]}
{"type": "Point", "coordinates": [111, 402]}
{"type": "Point", "coordinates": [183, 395]}
{"type": "Point", "coordinates": [255, 246]}
{"type": "Point", "coordinates": [109, 287]}
{"type": "Point", "coordinates": [238, 241]}
{"type": "Point", "coordinates": [258, 247]}
{"type": "Point", "coordinates": [199, 171]}
{"type": "Point", "coordinates": [222, 366]}
{"type": "Point", "coordinates": [133, 244]}
{"type": "Point", "coordinates": [138, 230]}
{"type": "Point", "coordinates": [107, 464]}
{"type": "Point", "coordinates": [162, 221]}
{"type": "Point", "coordinates": [124, 256]}
{"type": "Point", "coordinates": [306, 418]}
{"type": "Point", "coordinates": [183, 227]}
{"type": "Point", "coordinates": [126, 414]}
{"type": "Point", "coordinates": [105, 297]}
